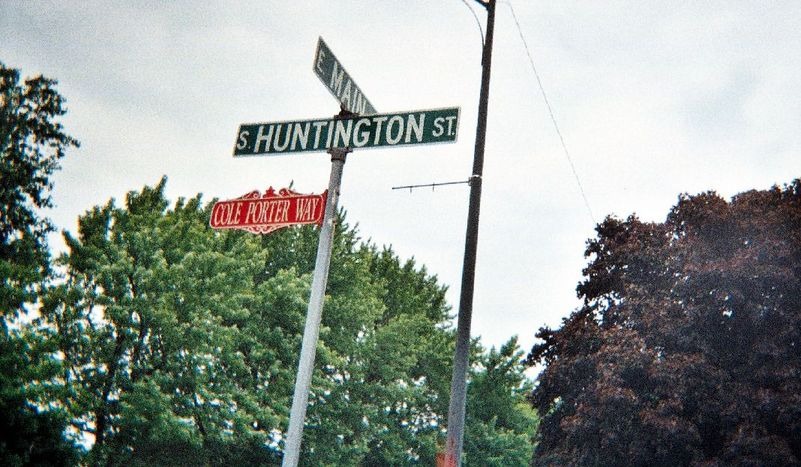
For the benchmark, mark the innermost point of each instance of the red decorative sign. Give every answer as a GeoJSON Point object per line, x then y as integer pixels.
{"type": "Point", "coordinates": [261, 214]}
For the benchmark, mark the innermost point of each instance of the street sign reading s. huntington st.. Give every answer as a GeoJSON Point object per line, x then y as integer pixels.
{"type": "Point", "coordinates": [395, 129]}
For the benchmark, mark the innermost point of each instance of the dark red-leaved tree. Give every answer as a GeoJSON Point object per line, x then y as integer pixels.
{"type": "Point", "coordinates": [687, 350]}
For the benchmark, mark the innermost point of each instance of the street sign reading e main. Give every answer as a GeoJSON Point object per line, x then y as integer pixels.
{"type": "Point", "coordinates": [338, 81]}
{"type": "Point", "coordinates": [395, 129]}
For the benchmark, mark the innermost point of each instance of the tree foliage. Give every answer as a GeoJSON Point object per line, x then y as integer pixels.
{"type": "Point", "coordinates": [155, 340]}
{"type": "Point", "coordinates": [32, 142]}
{"type": "Point", "coordinates": [501, 424]}
{"type": "Point", "coordinates": [153, 322]}
{"type": "Point", "coordinates": [178, 345]}
{"type": "Point", "coordinates": [686, 351]}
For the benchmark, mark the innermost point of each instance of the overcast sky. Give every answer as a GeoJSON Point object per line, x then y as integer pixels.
{"type": "Point", "coordinates": [653, 99]}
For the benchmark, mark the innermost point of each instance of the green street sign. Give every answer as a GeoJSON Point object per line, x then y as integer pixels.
{"type": "Point", "coordinates": [373, 131]}
{"type": "Point", "coordinates": [338, 81]}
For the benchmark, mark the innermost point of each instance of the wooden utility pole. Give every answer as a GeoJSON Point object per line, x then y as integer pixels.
{"type": "Point", "coordinates": [456, 411]}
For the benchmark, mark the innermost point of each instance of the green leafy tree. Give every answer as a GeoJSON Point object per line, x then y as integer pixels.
{"type": "Point", "coordinates": [32, 142]}
{"type": "Point", "coordinates": [385, 359]}
{"type": "Point", "coordinates": [149, 322]}
{"type": "Point", "coordinates": [500, 422]}
{"type": "Point", "coordinates": [686, 349]}
{"type": "Point", "coordinates": [387, 395]}
{"type": "Point", "coordinates": [382, 407]}
{"type": "Point", "coordinates": [179, 345]}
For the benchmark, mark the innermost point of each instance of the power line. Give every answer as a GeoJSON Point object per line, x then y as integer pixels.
{"type": "Point", "coordinates": [480, 29]}
{"type": "Point", "coordinates": [550, 112]}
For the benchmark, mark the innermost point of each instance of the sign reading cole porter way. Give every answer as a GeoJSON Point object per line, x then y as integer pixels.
{"type": "Point", "coordinates": [261, 214]}
{"type": "Point", "coordinates": [380, 130]}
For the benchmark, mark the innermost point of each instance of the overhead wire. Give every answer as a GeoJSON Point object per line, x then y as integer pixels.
{"type": "Point", "coordinates": [551, 114]}
{"type": "Point", "coordinates": [480, 29]}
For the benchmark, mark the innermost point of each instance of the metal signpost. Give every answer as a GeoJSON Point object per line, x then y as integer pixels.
{"type": "Point", "coordinates": [356, 126]}
{"type": "Point", "coordinates": [314, 314]}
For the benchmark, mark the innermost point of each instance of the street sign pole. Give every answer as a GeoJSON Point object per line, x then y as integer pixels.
{"type": "Point", "coordinates": [356, 126]}
{"type": "Point", "coordinates": [314, 314]}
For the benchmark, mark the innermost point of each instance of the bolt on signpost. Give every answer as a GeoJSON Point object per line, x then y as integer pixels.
{"type": "Point", "coordinates": [357, 126]}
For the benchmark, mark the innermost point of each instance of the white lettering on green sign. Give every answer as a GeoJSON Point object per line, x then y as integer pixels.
{"type": "Point", "coordinates": [420, 127]}
{"type": "Point", "coordinates": [339, 82]}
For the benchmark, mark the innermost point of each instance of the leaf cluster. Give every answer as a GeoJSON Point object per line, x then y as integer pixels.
{"type": "Point", "coordinates": [155, 340]}
{"type": "Point", "coordinates": [177, 343]}
{"type": "Point", "coordinates": [32, 142]}
{"type": "Point", "coordinates": [686, 349]}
